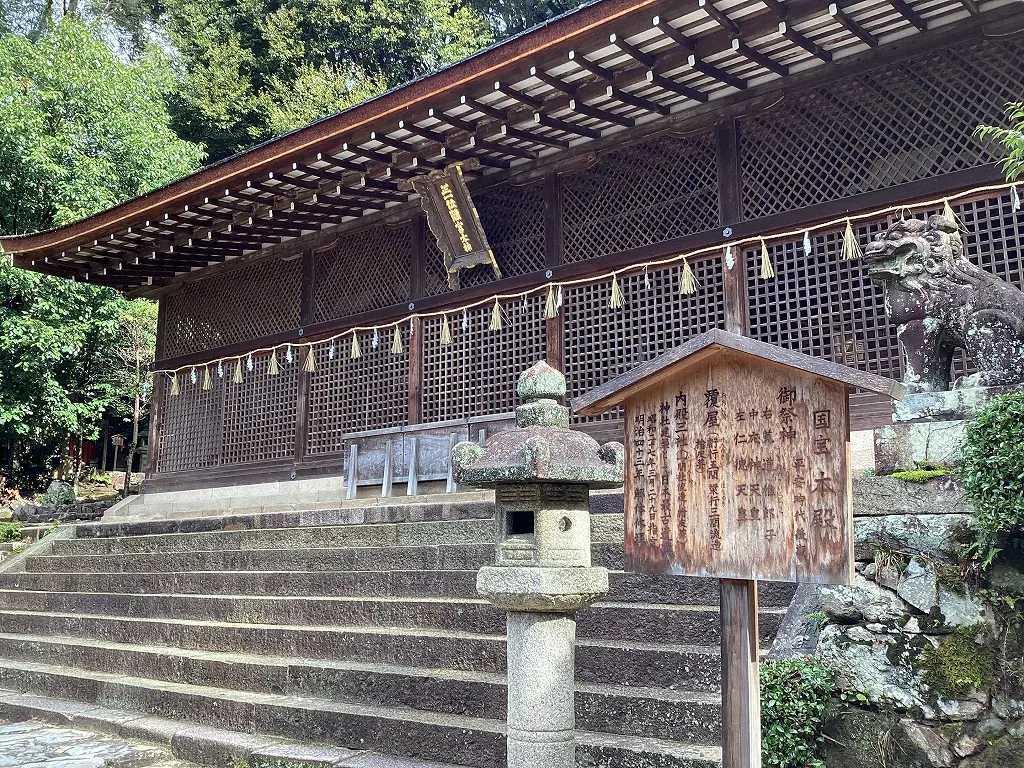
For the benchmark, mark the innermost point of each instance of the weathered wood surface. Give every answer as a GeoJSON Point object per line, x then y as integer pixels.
{"type": "Point", "coordinates": [741, 688]}
{"type": "Point", "coordinates": [740, 470]}
{"type": "Point", "coordinates": [693, 351]}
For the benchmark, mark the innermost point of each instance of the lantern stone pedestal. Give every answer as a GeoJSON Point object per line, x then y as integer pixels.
{"type": "Point", "coordinates": [542, 473]}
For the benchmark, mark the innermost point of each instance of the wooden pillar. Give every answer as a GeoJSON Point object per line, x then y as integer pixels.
{"type": "Point", "coordinates": [156, 411]}
{"type": "Point", "coordinates": [741, 672]}
{"type": "Point", "coordinates": [554, 256]}
{"type": "Point", "coordinates": [156, 423]}
{"type": "Point", "coordinates": [730, 206]}
{"type": "Point", "coordinates": [741, 677]}
{"type": "Point", "coordinates": [416, 371]}
{"type": "Point", "coordinates": [417, 257]}
{"type": "Point", "coordinates": [307, 316]}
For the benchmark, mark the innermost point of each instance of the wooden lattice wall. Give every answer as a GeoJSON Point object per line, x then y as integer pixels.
{"type": "Point", "coordinates": [897, 125]}
{"type": "Point", "coordinates": [642, 194]}
{"type": "Point", "coordinates": [475, 375]}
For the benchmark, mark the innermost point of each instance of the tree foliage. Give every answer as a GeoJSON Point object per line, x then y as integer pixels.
{"type": "Point", "coordinates": [81, 130]}
{"type": "Point", "coordinates": [1012, 139]}
{"type": "Point", "coordinates": [993, 472]}
{"type": "Point", "coordinates": [253, 69]}
{"type": "Point", "coordinates": [60, 372]}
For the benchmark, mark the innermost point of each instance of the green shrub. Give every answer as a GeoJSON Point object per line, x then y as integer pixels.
{"type": "Point", "coordinates": [958, 664]}
{"type": "Point", "coordinates": [993, 472]}
{"type": "Point", "coordinates": [796, 701]}
{"type": "Point", "coordinates": [10, 532]}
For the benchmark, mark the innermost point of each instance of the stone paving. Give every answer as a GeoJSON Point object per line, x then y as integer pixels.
{"type": "Point", "coordinates": [39, 745]}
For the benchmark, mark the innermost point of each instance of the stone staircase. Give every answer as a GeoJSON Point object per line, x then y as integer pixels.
{"type": "Point", "coordinates": [366, 636]}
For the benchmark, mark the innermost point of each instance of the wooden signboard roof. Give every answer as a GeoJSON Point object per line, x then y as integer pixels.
{"type": "Point", "coordinates": [699, 348]}
{"type": "Point", "coordinates": [608, 67]}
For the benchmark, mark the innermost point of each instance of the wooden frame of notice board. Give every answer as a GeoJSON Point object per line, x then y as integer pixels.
{"type": "Point", "coordinates": [738, 468]}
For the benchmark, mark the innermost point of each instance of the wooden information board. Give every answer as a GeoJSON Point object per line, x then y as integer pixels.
{"type": "Point", "coordinates": [741, 472]}
{"type": "Point", "coordinates": [737, 461]}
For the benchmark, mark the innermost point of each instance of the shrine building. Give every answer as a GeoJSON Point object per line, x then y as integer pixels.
{"type": "Point", "coordinates": [643, 171]}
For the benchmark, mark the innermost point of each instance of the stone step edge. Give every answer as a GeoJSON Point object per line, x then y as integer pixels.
{"type": "Point", "coordinates": [290, 515]}
{"type": "Point", "coordinates": [197, 744]}
{"type": "Point", "coordinates": [681, 608]}
{"type": "Point", "coordinates": [354, 628]}
{"type": "Point", "coordinates": [393, 714]}
{"type": "Point", "coordinates": [491, 678]}
{"type": "Point", "coordinates": [185, 735]}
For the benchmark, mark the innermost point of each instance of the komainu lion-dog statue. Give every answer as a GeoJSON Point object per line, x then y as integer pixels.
{"type": "Point", "coordinates": [941, 301]}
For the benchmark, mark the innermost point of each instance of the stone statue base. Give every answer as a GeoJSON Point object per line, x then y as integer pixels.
{"type": "Point", "coordinates": [952, 405]}
{"type": "Point", "coordinates": [929, 428]}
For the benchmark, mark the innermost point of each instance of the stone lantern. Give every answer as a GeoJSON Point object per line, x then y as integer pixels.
{"type": "Point", "coordinates": [542, 473]}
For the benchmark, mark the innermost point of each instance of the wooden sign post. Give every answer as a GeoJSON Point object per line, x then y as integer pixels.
{"type": "Point", "coordinates": [737, 467]}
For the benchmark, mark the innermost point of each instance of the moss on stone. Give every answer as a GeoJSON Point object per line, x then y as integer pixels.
{"type": "Point", "coordinates": [1006, 752]}
{"type": "Point", "coordinates": [958, 665]}
{"type": "Point", "coordinates": [921, 475]}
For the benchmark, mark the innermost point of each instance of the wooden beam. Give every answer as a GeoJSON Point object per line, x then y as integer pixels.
{"type": "Point", "coordinates": [749, 52]}
{"type": "Point", "coordinates": [741, 690]}
{"type": "Point", "coordinates": [852, 25]}
{"type": "Point", "coordinates": [730, 205]}
{"type": "Point", "coordinates": [634, 52]}
{"type": "Point", "coordinates": [485, 109]}
{"type": "Point", "coordinates": [554, 242]}
{"type": "Point", "coordinates": [717, 73]}
{"type": "Point", "coordinates": [516, 133]}
{"type": "Point", "coordinates": [416, 371]}
{"type": "Point", "coordinates": [672, 86]}
{"type": "Point", "coordinates": [688, 45]}
{"type": "Point", "coordinates": [904, 9]}
{"type": "Point", "coordinates": [626, 97]}
{"type": "Point", "coordinates": [800, 39]}
{"type": "Point", "coordinates": [564, 125]}
{"type": "Point", "coordinates": [418, 256]}
{"type": "Point", "coordinates": [593, 68]}
{"type": "Point", "coordinates": [719, 16]}
{"type": "Point", "coordinates": [601, 114]}
{"type": "Point", "coordinates": [555, 82]}
{"type": "Point", "coordinates": [519, 95]}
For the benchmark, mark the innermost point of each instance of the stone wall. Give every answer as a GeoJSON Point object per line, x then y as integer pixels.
{"type": "Point", "coordinates": [930, 657]}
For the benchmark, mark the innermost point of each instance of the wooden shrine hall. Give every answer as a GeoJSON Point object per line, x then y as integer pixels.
{"type": "Point", "coordinates": [644, 170]}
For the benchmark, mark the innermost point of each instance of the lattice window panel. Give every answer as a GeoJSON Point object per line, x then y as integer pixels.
{"type": "Point", "coordinates": [602, 343]}
{"type": "Point", "coordinates": [366, 269]}
{"type": "Point", "coordinates": [476, 374]}
{"type": "Point", "coordinates": [243, 304]}
{"type": "Point", "coordinates": [821, 305]}
{"type": "Point", "coordinates": [826, 307]}
{"type": "Point", "coordinates": [513, 218]}
{"type": "Point", "coordinates": [907, 121]}
{"type": "Point", "coordinates": [643, 194]}
{"type": "Point", "coordinates": [260, 413]}
{"type": "Point", "coordinates": [190, 427]}
{"type": "Point", "coordinates": [354, 394]}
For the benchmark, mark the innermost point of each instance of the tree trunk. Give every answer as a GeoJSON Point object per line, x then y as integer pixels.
{"type": "Point", "coordinates": [135, 427]}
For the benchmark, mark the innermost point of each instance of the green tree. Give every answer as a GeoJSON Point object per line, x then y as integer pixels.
{"type": "Point", "coordinates": [56, 340]}
{"type": "Point", "coordinates": [1012, 139]}
{"type": "Point", "coordinates": [254, 68]}
{"type": "Point", "coordinates": [81, 130]}
{"type": "Point", "coordinates": [510, 17]}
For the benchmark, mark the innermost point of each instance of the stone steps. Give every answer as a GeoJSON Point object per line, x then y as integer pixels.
{"type": "Point", "coordinates": [412, 534]}
{"type": "Point", "coordinates": [598, 661]}
{"type": "Point", "coordinates": [469, 741]}
{"type": "Point", "coordinates": [625, 587]}
{"type": "Point", "coordinates": [355, 627]}
{"type": "Point", "coordinates": [692, 716]}
{"type": "Point", "coordinates": [637, 622]}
